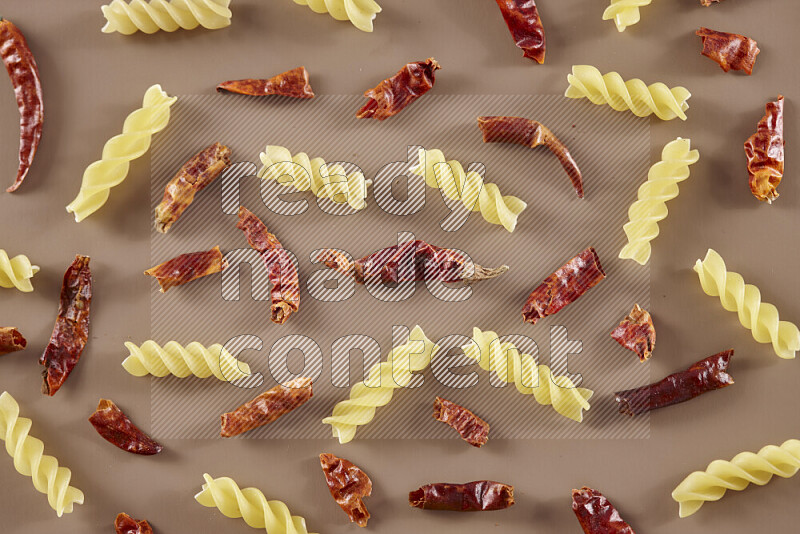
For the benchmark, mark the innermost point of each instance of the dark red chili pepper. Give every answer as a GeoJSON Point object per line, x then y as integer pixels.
{"type": "Point", "coordinates": [293, 83]}
{"type": "Point", "coordinates": [637, 333]}
{"type": "Point", "coordinates": [348, 485]}
{"type": "Point", "coordinates": [765, 151]}
{"type": "Point", "coordinates": [393, 94]}
{"type": "Point", "coordinates": [24, 76]}
{"type": "Point", "coordinates": [267, 407]}
{"type": "Point", "coordinates": [730, 50]}
{"type": "Point", "coordinates": [187, 267]}
{"type": "Point", "coordinates": [596, 515]}
{"type": "Point", "coordinates": [11, 340]}
{"type": "Point", "coordinates": [116, 428]}
{"type": "Point", "coordinates": [470, 427]}
{"type": "Point", "coordinates": [525, 25]}
{"type": "Point", "coordinates": [125, 524]}
{"type": "Point", "coordinates": [478, 496]}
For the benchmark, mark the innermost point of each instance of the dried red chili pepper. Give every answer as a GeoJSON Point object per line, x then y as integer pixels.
{"type": "Point", "coordinates": [293, 83]}
{"type": "Point", "coordinates": [11, 340]}
{"type": "Point", "coordinates": [564, 286]}
{"type": "Point", "coordinates": [596, 514]}
{"type": "Point", "coordinates": [71, 330]}
{"type": "Point", "coordinates": [192, 177]}
{"type": "Point", "coordinates": [125, 524]}
{"type": "Point", "coordinates": [393, 94]}
{"type": "Point", "coordinates": [704, 376]}
{"type": "Point", "coordinates": [525, 25]}
{"type": "Point", "coordinates": [478, 496]}
{"type": "Point", "coordinates": [24, 74]}
{"type": "Point", "coordinates": [348, 485]}
{"type": "Point", "coordinates": [637, 333]}
{"type": "Point", "coordinates": [116, 428]}
{"type": "Point", "coordinates": [765, 153]}
{"type": "Point", "coordinates": [730, 50]}
{"type": "Point", "coordinates": [282, 273]}
{"type": "Point", "coordinates": [187, 267]}
{"type": "Point", "coordinates": [530, 133]}
{"type": "Point", "coordinates": [709, 2]}
{"type": "Point", "coordinates": [267, 407]}
{"type": "Point", "coordinates": [470, 427]}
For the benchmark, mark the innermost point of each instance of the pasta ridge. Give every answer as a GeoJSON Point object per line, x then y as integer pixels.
{"type": "Point", "coordinates": [744, 469]}
{"type": "Point", "coordinates": [314, 175]}
{"type": "Point", "coordinates": [650, 208]}
{"type": "Point", "coordinates": [469, 188]}
{"type": "Point", "coordinates": [16, 272]}
{"type": "Point", "coordinates": [761, 318]}
{"type": "Point", "coordinates": [528, 377]}
{"type": "Point", "coordinates": [168, 15]}
{"type": "Point", "coordinates": [634, 95]}
{"type": "Point", "coordinates": [30, 460]}
{"type": "Point", "coordinates": [624, 13]}
{"type": "Point", "coordinates": [377, 390]}
{"type": "Point", "coordinates": [360, 12]}
{"type": "Point", "coordinates": [174, 359]}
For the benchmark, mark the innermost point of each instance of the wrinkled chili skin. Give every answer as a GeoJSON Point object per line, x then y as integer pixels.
{"type": "Point", "coordinates": [706, 375]}
{"type": "Point", "coordinates": [637, 333]}
{"type": "Point", "coordinates": [348, 485]}
{"type": "Point", "coordinates": [564, 286]}
{"type": "Point", "coordinates": [530, 133]}
{"type": "Point", "coordinates": [11, 340]}
{"type": "Point", "coordinates": [469, 426]}
{"type": "Point", "coordinates": [525, 25]}
{"type": "Point", "coordinates": [125, 524]}
{"type": "Point", "coordinates": [117, 428]}
{"type": "Point", "coordinates": [394, 94]}
{"type": "Point", "coordinates": [187, 267]}
{"type": "Point", "coordinates": [596, 514]}
{"type": "Point", "coordinates": [71, 330]}
{"type": "Point", "coordinates": [731, 50]}
{"type": "Point", "coordinates": [478, 496]}
{"type": "Point", "coordinates": [24, 74]}
{"type": "Point", "coordinates": [292, 83]}
{"type": "Point", "coordinates": [765, 153]}
{"type": "Point", "coordinates": [267, 407]}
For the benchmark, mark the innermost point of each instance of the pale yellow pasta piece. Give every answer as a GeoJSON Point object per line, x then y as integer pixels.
{"type": "Point", "coordinates": [510, 365]}
{"type": "Point", "coordinates": [168, 15]}
{"type": "Point", "coordinates": [30, 460]}
{"type": "Point", "coordinates": [744, 469]}
{"type": "Point", "coordinates": [322, 179]}
{"type": "Point", "coordinates": [661, 186]}
{"type": "Point", "coordinates": [251, 505]}
{"type": "Point", "coordinates": [120, 150]}
{"type": "Point", "coordinates": [469, 188]}
{"type": "Point", "coordinates": [396, 372]}
{"type": "Point", "coordinates": [624, 13]}
{"type": "Point", "coordinates": [174, 359]}
{"type": "Point", "coordinates": [634, 95]}
{"type": "Point", "coordinates": [16, 272]}
{"type": "Point", "coordinates": [360, 12]}
{"type": "Point", "coordinates": [760, 318]}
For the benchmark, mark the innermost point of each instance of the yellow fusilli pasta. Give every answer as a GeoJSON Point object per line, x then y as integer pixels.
{"type": "Point", "coordinates": [510, 365]}
{"type": "Point", "coordinates": [624, 13]}
{"type": "Point", "coordinates": [661, 186]}
{"type": "Point", "coordinates": [469, 188]}
{"type": "Point", "coordinates": [744, 469]}
{"type": "Point", "coordinates": [251, 505]}
{"type": "Point", "coordinates": [303, 174]}
{"type": "Point", "coordinates": [16, 272]}
{"type": "Point", "coordinates": [760, 318]}
{"type": "Point", "coordinates": [634, 95]}
{"type": "Point", "coordinates": [132, 143]}
{"type": "Point", "coordinates": [360, 12]}
{"type": "Point", "coordinates": [193, 359]}
{"type": "Point", "coordinates": [168, 15]}
{"type": "Point", "coordinates": [30, 460]}
{"type": "Point", "coordinates": [396, 372]}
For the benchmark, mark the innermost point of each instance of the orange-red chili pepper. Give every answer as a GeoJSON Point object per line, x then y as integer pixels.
{"type": "Point", "coordinates": [24, 75]}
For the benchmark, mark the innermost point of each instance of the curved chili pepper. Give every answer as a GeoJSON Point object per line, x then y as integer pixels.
{"type": "Point", "coordinates": [24, 75]}
{"type": "Point", "coordinates": [117, 428]}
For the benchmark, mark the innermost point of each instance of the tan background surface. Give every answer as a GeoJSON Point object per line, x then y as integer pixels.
{"type": "Point", "coordinates": [91, 80]}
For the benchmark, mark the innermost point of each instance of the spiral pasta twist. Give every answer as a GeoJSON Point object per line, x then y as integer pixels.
{"type": "Point", "coordinates": [16, 272]}
{"type": "Point", "coordinates": [132, 143]}
{"type": "Point", "coordinates": [744, 469]}
{"type": "Point", "coordinates": [624, 13]}
{"type": "Point", "coordinates": [167, 15]}
{"type": "Point", "coordinates": [634, 95]}
{"type": "Point", "coordinates": [758, 317]}
{"type": "Point", "coordinates": [251, 505]}
{"type": "Point", "coordinates": [510, 365]}
{"type": "Point", "coordinates": [360, 12]}
{"type": "Point", "coordinates": [193, 359]}
{"type": "Point", "coordinates": [469, 188]}
{"type": "Point", "coordinates": [325, 181]}
{"type": "Point", "coordinates": [30, 460]}
{"type": "Point", "coordinates": [661, 186]}
{"type": "Point", "coordinates": [396, 372]}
